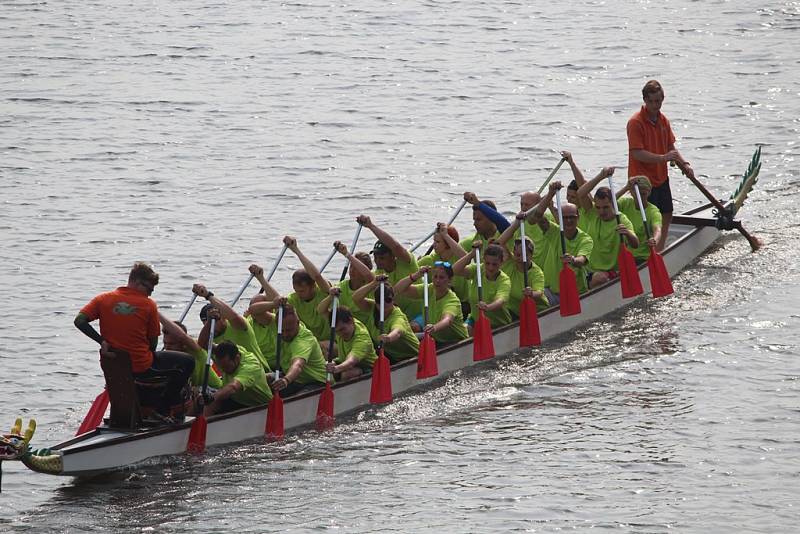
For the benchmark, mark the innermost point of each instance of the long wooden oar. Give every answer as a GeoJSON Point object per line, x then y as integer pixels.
{"type": "Point", "coordinates": [755, 243]}
{"type": "Point", "coordinates": [482, 342]}
{"type": "Point", "coordinates": [660, 284]}
{"type": "Point", "coordinates": [274, 428]}
{"type": "Point", "coordinates": [629, 280]}
{"type": "Point", "coordinates": [427, 366]}
{"type": "Point", "coordinates": [569, 300]}
{"type": "Point", "coordinates": [325, 417]}
{"type": "Point", "coordinates": [529, 334]}
{"type": "Point", "coordinates": [425, 239]}
{"type": "Point", "coordinates": [381, 386]}
{"type": "Point", "coordinates": [197, 435]}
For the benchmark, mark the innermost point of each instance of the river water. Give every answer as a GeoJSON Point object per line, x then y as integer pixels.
{"type": "Point", "coordinates": [194, 135]}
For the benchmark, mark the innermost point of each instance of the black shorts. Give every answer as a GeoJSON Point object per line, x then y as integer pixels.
{"type": "Point", "coordinates": [661, 197]}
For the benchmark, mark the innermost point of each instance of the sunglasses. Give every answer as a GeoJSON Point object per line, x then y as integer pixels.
{"type": "Point", "coordinates": [442, 264]}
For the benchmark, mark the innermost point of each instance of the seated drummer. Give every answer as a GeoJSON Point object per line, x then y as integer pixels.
{"type": "Point", "coordinates": [399, 341]}
{"type": "Point", "coordinates": [302, 363]}
{"type": "Point", "coordinates": [495, 283]}
{"type": "Point", "coordinates": [355, 353]}
{"type": "Point", "coordinates": [602, 227]}
{"type": "Point", "coordinates": [129, 322]}
{"type": "Point", "coordinates": [244, 383]}
{"type": "Point", "coordinates": [229, 325]}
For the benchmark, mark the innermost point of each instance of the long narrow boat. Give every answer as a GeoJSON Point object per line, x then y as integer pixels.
{"type": "Point", "coordinates": [105, 449]}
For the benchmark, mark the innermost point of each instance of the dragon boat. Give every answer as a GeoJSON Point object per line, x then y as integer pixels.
{"type": "Point", "coordinates": [108, 448]}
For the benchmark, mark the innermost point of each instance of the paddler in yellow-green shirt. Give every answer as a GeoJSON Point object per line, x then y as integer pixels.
{"type": "Point", "coordinates": [360, 273]}
{"type": "Point", "coordinates": [310, 287]}
{"type": "Point", "coordinates": [302, 362]}
{"type": "Point", "coordinates": [486, 229]}
{"type": "Point", "coordinates": [495, 284]}
{"type": "Point", "coordinates": [176, 338]}
{"type": "Point", "coordinates": [392, 259]}
{"type": "Point", "coordinates": [244, 382]}
{"type": "Point", "coordinates": [355, 352]}
{"type": "Point", "coordinates": [447, 249]}
{"type": "Point", "coordinates": [631, 208]}
{"type": "Point", "coordinates": [514, 266]}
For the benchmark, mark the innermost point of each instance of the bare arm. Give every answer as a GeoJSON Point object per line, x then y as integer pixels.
{"type": "Point", "coordinates": [356, 265]}
{"type": "Point", "coordinates": [269, 291]}
{"type": "Point", "coordinates": [405, 286]}
{"type": "Point", "coordinates": [360, 294]}
{"type": "Point", "coordinates": [460, 267]}
{"type": "Point", "coordinates": [226, 312]}
{"type": "Point", "coordinates": [174, 330]}
{"type": "Point", "coordinates": [308, 265]}
{"type": "Point", "coordinates": [221, 395]}
{"type": "Point", "coordinates": [584, 191]}
{"type": "Point", "coordinates": [397, 249]}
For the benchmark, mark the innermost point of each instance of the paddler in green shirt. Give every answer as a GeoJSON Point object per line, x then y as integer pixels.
{"type": "Point", "coordinates": [495, 283]}
{"type": "Point", "coordinates": [355, 353]}
{"type": "Point", "coordinates": [445, 320]}
{"type": "Point", "coordinates": [399, 340]}
{"type": "Point", "coordinates": [604, 230]}
{"type": "Point", "coordinates": [514, 266]}
{"type": "Point", "coordinates": [176, 338]}
{"type": "Point", "coordinates": [578, 244]}
{"type": "Point", "coordinates": [447, 249]}
{"type": "Point", "coordinates": [229, 325]}
{"type": "Point", "coordinates": [301, 356]}
{"type": "Point", "coordinates": [485, 230]}
{"type": "Point", "coordinates": [243, 379]}
{"type": "Point", "coordinates": [394, 261]}
{"type": "Point", "coordinates": [630, 207]}
{"type": "Point", "coordinates": [261, 318]}
{"type": "Point", "coordinates": [310, 287]}
{"type": "Point", "coordinates": [360, 273]}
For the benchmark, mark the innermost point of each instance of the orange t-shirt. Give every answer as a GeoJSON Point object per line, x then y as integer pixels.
{"type": "Point", "coordinates": [128, 319]}
{"type": "Point", "coordinates": [655, 138]}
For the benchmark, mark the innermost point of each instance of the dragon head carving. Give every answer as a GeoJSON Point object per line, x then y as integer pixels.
{"type": "Point", "coordinates": [14, 445]}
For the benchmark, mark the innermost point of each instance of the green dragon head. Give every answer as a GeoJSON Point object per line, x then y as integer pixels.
{"type": "Point", "coordinates": [14, 446]}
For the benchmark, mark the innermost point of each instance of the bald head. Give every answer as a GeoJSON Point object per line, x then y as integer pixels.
{"type": "Point", "coordinates": [529, 199]}
{"type": "Point", "coordinates": [568, 209]}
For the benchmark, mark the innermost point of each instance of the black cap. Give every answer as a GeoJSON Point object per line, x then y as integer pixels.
{"type": "Point", "coordinates": [204, 311]}
{"type": "Point", "coordinates": [380, 248]}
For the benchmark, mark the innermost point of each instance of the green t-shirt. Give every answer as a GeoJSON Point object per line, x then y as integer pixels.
{"type": "Point", "coordinates": [359, 346]}
{"type": "Point", "coordinates": [458, 284]}
{"type": "Point", "coordinates": [245, 339]}
{"type": "Point", "coordinates": [500, 287]}
{"type": "Point", "coordinates": [627, 205]}
{"type": "Point", "coordinates": [267, 339]}
{"type": "Point", "coordinates": [305, 346]}
{"type": "Point", "coordinates": [534, 232]}
{"type": "Point", "coordinates": [535, 282]}
{"type": "Point", "coordinates": [437, 308]}
{"type": "Point", "coordinates": [405, 347]}
{"type": "Point", "coordinates": [581, 245]}
{"type": "Point", "coordinates": [606, 241]}
{"type": "Point", "coordinates": [466, 243]}
{"type": "Point", "coordinates": [410, 307]}
{"type": "Point", "coordinates": [346, 299]}
{"type": "Point", "coordinates": [319, 325]}
{"type": "Point", "coordinates": [250, 375]}
{"type": "Point", "coordinates": [581, 219]}
{"type": "Point", "coordinates": [200, 358]}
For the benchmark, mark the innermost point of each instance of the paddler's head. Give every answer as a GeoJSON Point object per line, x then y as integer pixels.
{"type": "Point", "coordinates": [143, 278]}
{"type": "Point", "coordinates": [653, 96]}
{"type": "Point", "coordinates": [483, 225]}
{"type": "Point", "coordinates": [439, 243]}
{"type": "Point", "coordinates": [173, 342]}
{"type": "Point", "coordinates": [492, 260]}
{"type": "Point", "coordinates": [569, 212]}
{"type": "Point", "coordinates": [384, 259]}
{"type": "Point", "coordinates": [645, 187]}
{"type": "Point", "coordinates": [303, 285]}
{"type": "Point", "coordinates": [572, 192]}
{"type": "Point", "coordinates": [356, 278]}
{"type": "Point", "coordinates": [345, 325]}
{"type": "Point", "coordinates": [227, 357]}
{"type": "Point", "coordinates": [209, 311]}
{"type": "Point", "coordinates": [518, 249]}
{"type": "Point", "coordinates": [291, 323]}
{"type": "Point", "coordinates": [603, 204]}
{"type": "Point", "coordinates": [528, 199]}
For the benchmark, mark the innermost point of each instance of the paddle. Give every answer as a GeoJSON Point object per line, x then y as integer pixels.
{"type": "Point", "coordinates": [197, 435]}
{"type": "Point", "coordinates": [755, 243]}
{"type": "Point", "coordinates": [425, 239]}
{"type": "Point", "coordinates": [274, 427]}
{"type": "Point", "coordinates": [529, 334]}
{"type": "Point", "coordinates": [553, 173]}
{"type": "Point", "coordinates": [660, 283]}
{"type": "Point", "coordinates": [569, 300]}
{"type": "Point", "coordinates": [381, 386]}
{"type": "Point", "coordinates": [628, 273]}
{"type": "Point", "coordinates": [482, 342]}
{"type": "Point", "coordinates": [427, 365]}
{"type": "Point", "coordinates": [352, 251]}
{"type": "Point", "coordinates": [325, 418]}
{"type": "Point", "coordinates": [269, 277]}
{"type": "Point", "coordinates": [95, 414]}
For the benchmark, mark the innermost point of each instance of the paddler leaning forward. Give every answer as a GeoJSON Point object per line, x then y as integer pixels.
{"type": "Point", "coordinates": [129, 322]}
{"type": "Point", "coordinates": [244, 383]}
{"type": "Point", "coordinates": [302, 363]}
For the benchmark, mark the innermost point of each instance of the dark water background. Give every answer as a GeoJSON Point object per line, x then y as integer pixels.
{"type": "Point", "coordinates": [195, 135]}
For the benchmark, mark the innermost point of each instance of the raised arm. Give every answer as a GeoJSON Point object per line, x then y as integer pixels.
{"type": "Point", "coordinates": [360, 295]}
{"type": "Point", "coordinates": [269, 291]}
{"type": "Point", "coordinates": [452, 244]}
{"type": "Point", "coordinates": [356, 265]}
{"type": "Point", "coordinates": [171, 328]}
{"type": "Point", "coordinates": [397, 249]}
{"type": "Point", "coordinates": [405, 286]}
{"type": "Point", "coordinates": [324, 306]}
{"type": "Point", "coordinates": [226, 312]}
{"type": "Point", "coordinates": [541, 207]}
{"type": "Point", "coordinates": [584, 197]}
{"type": "Point", "coordinates": [460, 267]}
{"type": "Point", "coordinates": [508, 233]}
{"type": "Point", "coordinates": [308, 265]}
{"type": "Point", "coordinates": [492, 214]}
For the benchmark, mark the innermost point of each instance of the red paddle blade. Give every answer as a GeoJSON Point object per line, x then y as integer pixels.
{"type": "Point", "coordinates": [381, 390]}
{"type": "Point", "coordinates": [274, 430]}
{"type": "Point", "coordinates": [659, 276]}
{"type": "Point", "coordinates": [528, 324]}
{"type": "Point", "coordinates": [95, 414]}
{"type": "Point", "coordinates": [628, 273]}
{"type": "Point", "coordinates": [482, 342]}
{"type": "Point", "coordinates": [569, 300]}
{"type": "Point", "coordinates": [325, 418]}
{"type": "Point", "coordinates": [427, 365]}
{"type": "Point", "coordinates": [197, 435]}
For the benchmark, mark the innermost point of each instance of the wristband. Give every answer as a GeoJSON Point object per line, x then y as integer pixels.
{"type": "Point", "coordinates": [209, 295]}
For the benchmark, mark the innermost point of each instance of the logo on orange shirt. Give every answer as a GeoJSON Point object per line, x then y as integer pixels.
{"type": "Point", "coordinates": [123, 308]}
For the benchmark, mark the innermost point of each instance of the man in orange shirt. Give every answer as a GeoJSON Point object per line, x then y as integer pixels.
{"type": "Point", "coordinates": [129, 322]}
{"type": "Point", "coordinates": [651, 144]}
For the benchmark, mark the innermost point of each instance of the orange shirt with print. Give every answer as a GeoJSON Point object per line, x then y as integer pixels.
{"type": "Point", "coordinates": [656, 138]}
{"type": "Point", "coordinates": [128, 319]}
